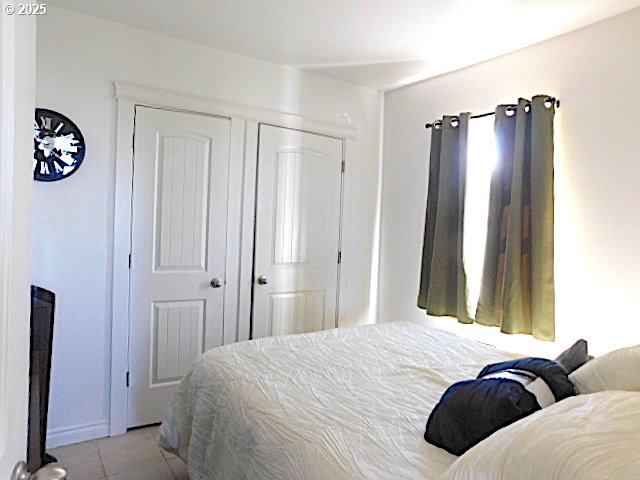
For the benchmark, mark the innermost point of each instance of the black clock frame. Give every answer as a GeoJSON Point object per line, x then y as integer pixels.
{"type": "Point", "coordinates": [68, 127]}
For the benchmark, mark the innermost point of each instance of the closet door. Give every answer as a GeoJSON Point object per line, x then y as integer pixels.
{"type": "Point", "coordinates": [178, 245]}
{"type": "Point", "coordinates": [297, 232]}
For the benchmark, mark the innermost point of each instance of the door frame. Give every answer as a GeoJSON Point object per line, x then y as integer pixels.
{"type": "Point", "coordinates": [240, 213]}
{"type": "Point", "coordinates": [17, 78]}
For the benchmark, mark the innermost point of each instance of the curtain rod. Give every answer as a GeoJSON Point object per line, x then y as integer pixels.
{"type": "Point", "coordinates": [509, 108]}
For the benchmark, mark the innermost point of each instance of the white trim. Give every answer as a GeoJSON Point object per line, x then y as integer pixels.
{"type": "Point", "coordinates": [242, 177]}
{"type": "Point", "coordinates": [121, 247]}
{"type": "Point", "coordinates": [247, 231]}
{"type": "Point", "coordinates": [234, 231]}
{"type": "Point", "coordinates": [375, 284]}
{"type": "Point", "coordinates": [77, 433]}
{"type": "Point", "coordinates": [165, 98]}
{"type": "Point", "coordinates": [343, 170]}
{"type": "Point", "coordinates": [17, 89]}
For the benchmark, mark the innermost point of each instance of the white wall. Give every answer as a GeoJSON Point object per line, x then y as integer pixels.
{"type": "Point", "coordinates": [595, 72]}
{"type": "Point", "coordinates": [78, 59]}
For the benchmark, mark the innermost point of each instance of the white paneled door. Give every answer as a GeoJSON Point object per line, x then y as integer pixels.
{"type": "Point", "coordinates": [177, 276]}
{"type": "Point", "coordinates": [297, 237]}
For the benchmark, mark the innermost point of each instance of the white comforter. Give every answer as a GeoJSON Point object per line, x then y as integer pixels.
{"type": "Point", "coordinates": [340, 404]}
{"type": "Point", "coordinates": [587, 437]}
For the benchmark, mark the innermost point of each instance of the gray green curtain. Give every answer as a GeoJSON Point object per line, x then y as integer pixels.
{"type": "Point", "coordinates": [517, 290]}
{"type": "Point", "coordinates": [443, 285]}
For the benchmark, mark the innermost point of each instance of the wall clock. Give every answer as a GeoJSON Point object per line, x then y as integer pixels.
{"type": "Point", "coordinates": [58, 146]}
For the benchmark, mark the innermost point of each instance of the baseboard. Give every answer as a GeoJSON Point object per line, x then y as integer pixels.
{"type": "Point", "coordinates": [77, 433]}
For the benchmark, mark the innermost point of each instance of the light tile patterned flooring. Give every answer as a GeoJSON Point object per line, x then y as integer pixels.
{"type": "Point", "coordinates": [132, 456]}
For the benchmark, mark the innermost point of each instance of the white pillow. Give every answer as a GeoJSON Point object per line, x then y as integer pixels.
{"type": "Point", "coordinates": [617, 370]}
{"type": "Point", "coordinates": [587, 437]}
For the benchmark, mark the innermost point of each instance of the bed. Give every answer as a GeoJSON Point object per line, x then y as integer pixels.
{"type": "Point", "coordinates": [340, 404]}
{"type": "Point", "coordinates": [346, 403]}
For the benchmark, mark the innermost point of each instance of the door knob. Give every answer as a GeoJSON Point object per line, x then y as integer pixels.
{"type": "Point", "coordinates": [20, 472]}
{"type": "Point", "coordinates": [263, 280]}
{"type": "Point", "coordinates": [216, 283]}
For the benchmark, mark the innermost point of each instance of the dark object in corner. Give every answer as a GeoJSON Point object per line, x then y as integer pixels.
{"type": "Point", "coordinates": [42, 309]}
{"type": "Point", "coordinates": [575, 356]}
{"type": "Point", "coordinates": [470, 411]}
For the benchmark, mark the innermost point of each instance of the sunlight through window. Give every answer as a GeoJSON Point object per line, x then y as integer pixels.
{"type": "Point", "coordinates": [480, 163]}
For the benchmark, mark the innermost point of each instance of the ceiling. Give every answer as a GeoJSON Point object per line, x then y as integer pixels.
{"type": "Point", "coordinates": [376, 43]}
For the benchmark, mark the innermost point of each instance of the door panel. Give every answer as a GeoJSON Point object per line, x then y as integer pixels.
{"type": "Point", "coordinates": [182, 203]}
{"type": "Point", "coordinates": [300, 207]}
{"type": "Point", "coordinates": [178, 329]}
{"type": "Point", "coordinates": [297, 232]}
{"type": "Point", "coordinates": [179, 218]}
{"type": "Point", "coordinates": [296, 312]}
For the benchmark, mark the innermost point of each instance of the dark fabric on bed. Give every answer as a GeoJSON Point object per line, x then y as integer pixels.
{"type": "Point", "coordinates": [575, 356]}
{"type": "Point", "coordinates": [552, 373]}
{"type": "Point", "coordinates": [471, 410]}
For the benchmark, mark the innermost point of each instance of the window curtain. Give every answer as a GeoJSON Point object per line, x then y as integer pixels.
{"type": "Point", "coordinates": [517, 288]}
{"type": "Point", "coordinates": [443, 284]}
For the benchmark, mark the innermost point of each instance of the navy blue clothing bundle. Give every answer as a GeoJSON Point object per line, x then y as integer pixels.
{"type": "Point", "coordinates": [470, 411]}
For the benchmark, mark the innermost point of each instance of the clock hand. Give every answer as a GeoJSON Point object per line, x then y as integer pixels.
{"type": "Point", "coordinates": [46, 147]}
{"type": "Point", "coordinates": [62, 159]}
{"type": "Point", "coordinates": [66, 143]}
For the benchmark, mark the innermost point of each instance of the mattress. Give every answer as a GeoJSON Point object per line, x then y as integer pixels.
{"type": "Point", "coordinates": [347, 403]}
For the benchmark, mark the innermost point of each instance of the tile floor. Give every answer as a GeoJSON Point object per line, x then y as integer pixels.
{"type": "Point", "coordinates": [132, 456]}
